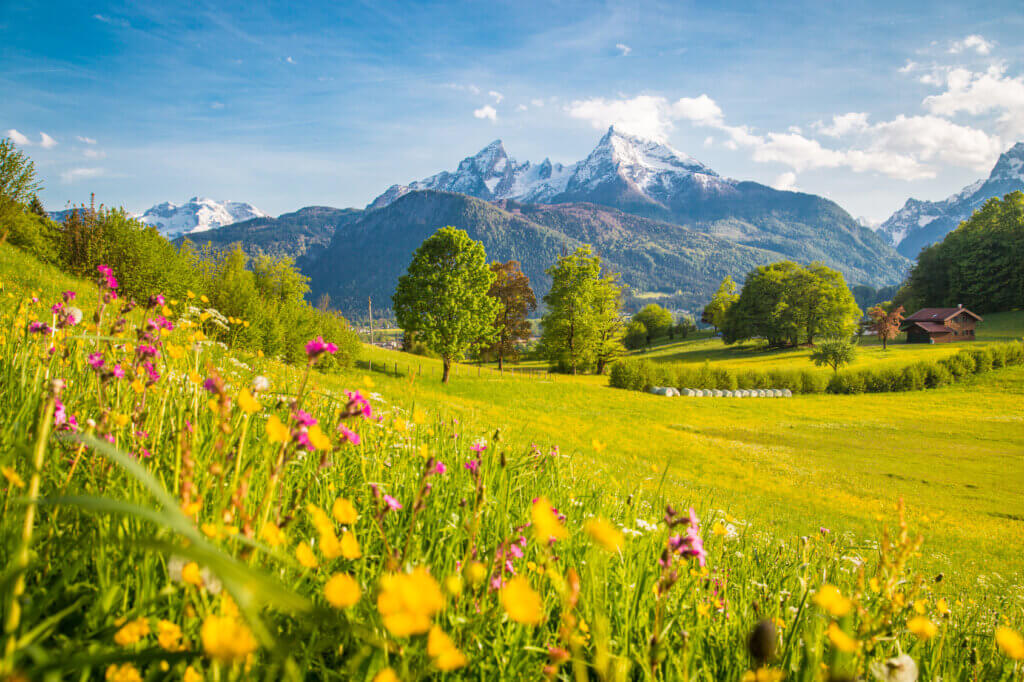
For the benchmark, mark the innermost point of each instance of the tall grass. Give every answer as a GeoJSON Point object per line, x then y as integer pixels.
{"type": "Point", "coordinates": [188, 520]}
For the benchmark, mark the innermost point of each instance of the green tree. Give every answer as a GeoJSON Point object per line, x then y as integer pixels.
{"type": "Point", "coordinates": [570, 329]}
{"type": "Point", "coordinates": [442, 297]}
{"type": "Point", "coordinates": [511, 289]}
{"type": "Point", "coordinates": [686, 325]}
{"type": "Point", "coordinates": [716, 310]}
{"type": "Point", "coordinates": [608, 322]}
{"type": "Point", "coordinates": [787, 303]}
{"type": "Point", "coordinates": [636, 336]}
{"type": "Point", "coordinates": [18, 181]}
{"type": "Point", "coordinates": [834, 352]}
{"type": "Point", "coordinates": [655, 319]}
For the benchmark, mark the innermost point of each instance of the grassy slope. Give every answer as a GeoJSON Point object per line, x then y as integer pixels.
{"type": "Point", "coordinates": [954, 454]}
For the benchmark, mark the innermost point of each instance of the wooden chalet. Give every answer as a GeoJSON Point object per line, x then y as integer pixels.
{"type": "Point", "coordinates": [940, 325]}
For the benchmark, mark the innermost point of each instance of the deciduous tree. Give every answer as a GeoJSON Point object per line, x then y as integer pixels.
{"type": "Point", "coordinates": [715, 311]}
{"type": "Point", "coordinates": [655, 319]}
{"type": "Point", "coordinates": [834, 352]}
{"type": "Point", "coordinates": [442, 297]}
{"type": "Point", "coordinates": [886, 321]}
{"type": "Point", "coordinates": [511, 289]}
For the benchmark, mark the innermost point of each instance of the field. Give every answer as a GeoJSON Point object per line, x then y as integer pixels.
{"type": "Point", "coordinates": [792, 495]}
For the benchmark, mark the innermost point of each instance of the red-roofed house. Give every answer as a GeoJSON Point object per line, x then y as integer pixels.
{"type": "Point", "coordinates": [940, 325]}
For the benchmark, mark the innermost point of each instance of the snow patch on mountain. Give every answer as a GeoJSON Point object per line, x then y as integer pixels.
{"type": "Point", "coordinates": [198, 214]}
{"type": "Point", "coordinates": [653, 168]}
{"type": "Point", "coordinates": [917, 219]}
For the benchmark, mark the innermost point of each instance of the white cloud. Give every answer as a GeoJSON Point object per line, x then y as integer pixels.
{"type": "Point", "coordinates": [93, 154]}
{"type": "Point", "coordinates": [785, 181]}
{"type": "Point", "coordinates": [537, 102]}
{"type": "Point", "coordinates": [18, 138]}
{"type": "Point", "coordinates": [497, 96]}
{"type": "Point", "coordinates": [983, 92]}
{"type": "Point", "coordinates": [85, 140]}
{"type": "Point", "coordinates": [521, 107]}
{"type": "Point", "coordinates": [843, 124]}
{"type": "Point", "coordinates": [972, 42]}
{"type": "Point", "coordinates": [289, 60]}
{"type": "Point", "coordinates": [217, 105]}
{"type": "Point", "coordinates": [932, 138]}
{"type": "Point", "coordinates": [701, 110]}
{"type": "Point", "coordinates": [46, 142]}
{"type": "Point", "coordinates": [76, 174]}
{"type": "Point", "coordinates": [623, 48]}
{"type": "Point", "coordinates": [708, 141]}
{"type": "Point", "coordinates": [486, 111]}
{"type": "Point", "coordinates": [909, 66]}
{"type": "Point", "coordinates": [644, 115]}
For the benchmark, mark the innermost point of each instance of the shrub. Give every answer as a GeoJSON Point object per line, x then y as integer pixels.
{"type": "Point", "coordinates": [882, 380]}
{"type": "Point", "coordinates": [983, 360]}
{"type": "Point", "coordinates": [849, 383]}
{"type": "Point", "coordinates": [813, 382]}
{"type": "Point", "coordinates": [959, 365]}
{"type": "Point", "coordinates": [937, 374]}
{"type": "Point", "coordinates": [913, 377]}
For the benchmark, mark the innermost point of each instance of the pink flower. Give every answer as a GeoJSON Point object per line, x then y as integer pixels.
{"type": "Point", "coordinates": [348, 434]}
{"type": "Point", "coordinates": [60, 414]}
{"type": "Point", "coordinates": [68, 296]}
{"type": "Point", "coordinates": [392, 503]}
{"type": "Point", "coordinates": [303, 418]}
{"type": "Point", "coordinates": [479, 445]}
{"type": "Point", "coordinates": [39, 328]}
{"type": "Point", "coordinates": [117, 372]}
{"type": "Point", "coordinates": [95, 360]}
{"type": "Point", "coordinates": [358, 404]}
{"type": "Point", "coordinates": [154, 301]}
{"type": "Point", "coordinates": [107, 278]}
{"type": "Point", "coordinates": [146, 351]}
{"type": "Point", "coordinates": [317, 347]}
{"type": "Point", "coordinates": [439, 468]}
{"type": "Point", "coordinates": [473, 465]}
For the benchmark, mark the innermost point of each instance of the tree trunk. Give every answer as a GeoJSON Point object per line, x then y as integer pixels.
{"type": "Point", "coordinates": [447, 363]}
{"type": "Point", "coordinates": [501, 362]}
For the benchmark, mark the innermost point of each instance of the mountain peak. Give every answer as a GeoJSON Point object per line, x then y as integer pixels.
{"type": "Point", "coordinates": [198, 214]}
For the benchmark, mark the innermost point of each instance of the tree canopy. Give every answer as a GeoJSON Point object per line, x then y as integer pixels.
{"type": "Point", "coordinates": [443, 297]}
{"type": "Point", "coordinates": [655, 319]}
{"type": "Point", "coordinates": [788, 304]}
{"type": "Point", "coordinates": [715, 311]}
{"type": "Point", "coordinates": [582, 327]}
{"type": "Point", "coordinates": [516, 300]}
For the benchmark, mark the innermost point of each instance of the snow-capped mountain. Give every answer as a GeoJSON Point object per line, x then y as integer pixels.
{"type": "Point", "coordinates": [621, 165]}
{"type": "Point", "coordinates": [198, 215]}
{"type": "Point", "coordinates": [922, 223]}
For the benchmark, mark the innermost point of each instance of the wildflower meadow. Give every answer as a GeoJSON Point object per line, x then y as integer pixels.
{"type": "Point", "coordinates": [176, 510]}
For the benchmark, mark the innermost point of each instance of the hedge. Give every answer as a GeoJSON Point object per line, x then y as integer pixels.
{"type": "Point", "coordinates": [637, 375]}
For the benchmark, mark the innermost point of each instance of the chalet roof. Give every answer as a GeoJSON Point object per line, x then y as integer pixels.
{"type": "Point", "coordinates": [933, 327]}
{"type": "Point", "coordinates": [939, 314]}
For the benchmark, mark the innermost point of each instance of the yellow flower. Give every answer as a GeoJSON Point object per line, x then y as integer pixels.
{"type": "Point", "coordinates": [204, 299]}
{"type": "Point", "coordinates": [840, 639]}
{"type": "Point", "coordinates": [719, 529]}
{"type": "Point", "coordinates": [703, 610]}
{"type": "Point", "coordinates": [942, 606]}
{"type": "Point", "coordinates": [344, 512]}
{"type": "Point", "coordinates": [192, 508]}
{"type": "Point", "coordinates": [190, 294]}
{"type": "Point", "coordinates": [168, 635]}
{"type": "Point", "coordinates": [247, 402]}
{"type": "Point", "coordinates": [367, 381]}
{"type": "Point", "coordinates": [226, 639]}
{"type": "Point", "coordinates": [195, 377]}
{"type": "Point", "coordinates": [138, 386]}
{"type": "Point", "coordinates": [386, 675]}
{"type": "Point", "coordinates": [832, 600]}
{"type": "Point", "coordinates": [350, 545]}
{"type": "Point", "coordinates": [408, 601]}
{"type": "Point", "coordinates": [304, 553]}
{"type": "Point", "coordinates": [605, 534]}
{"type": "Point", "coordinates": [475, 573]}
{"type": "Point", "coordinates": [442, 649]}
{"type": "Point", "coordinates": [598, 446]}
{"type": "Point", "coordinates": [272, 535]}
{"type": "Point", "coordinates": [166, 312]}
{"type": "Point", "coordinates": [875, 586]}
{"type": "Point", "coordinates": [126, 672]}
{"type": "Point", "coordinates": [12, 477]}
{"type": "Point", "coordinates": [277, 432]}
{"type": "Point", "coordinates": [318, 438]}
{"type": "Point", "coordinates": [453, 585]}
{"type": "Point", "coordinates": [190, 574]}
{"type": "Point", "coordinates": [192, 675]}
{"type": "Point", "coordinates": [1011, 643]}
{"type": "Point", "coordinates": [419, 416]}
{"type": "Point", "coordinates": [321, 521]}
{"type": "Point", "coordinates": [920, 606]}
{"type": "Point", "coordinates": [522, 604]}
{"type": "Point", "coordinates": [922, 627]}
{"type": "Point", "coordinates": [330, 547]}
{"type": "Point", "coordinates": [131, 632]}
{"type": "Point", "coordinates": [342, 591]}
{"type": "Point", "coordinates": [545, 524]}
{"type": "Point", "coordinates": [203, 317]}
{"type": "Point", "coordinates": [174, 352]}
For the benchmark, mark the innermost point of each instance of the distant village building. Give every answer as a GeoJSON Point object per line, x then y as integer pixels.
{"type": "Point", "coordinates": [940, 325]}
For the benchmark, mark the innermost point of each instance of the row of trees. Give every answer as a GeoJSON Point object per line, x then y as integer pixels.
{"type": "Point", "coordinates": [266, 294]}
{"type": "Point", "coordinates": [785, 303]}
{"type": "Point", "coordinates": [454, 303]}
{"type": "Point", "coordinates": [653, 322]}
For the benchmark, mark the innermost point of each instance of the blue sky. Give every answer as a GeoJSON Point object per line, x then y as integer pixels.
{"type": "Point", "coordinates": [291, 104]}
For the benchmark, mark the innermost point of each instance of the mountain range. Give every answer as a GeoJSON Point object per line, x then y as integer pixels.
{"type": "Point", "coordinates": [198, 215]}
{"type": "Point", "coordinates": [922, 223]}
{"type": "Point", "coordinates": [662, 219]}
